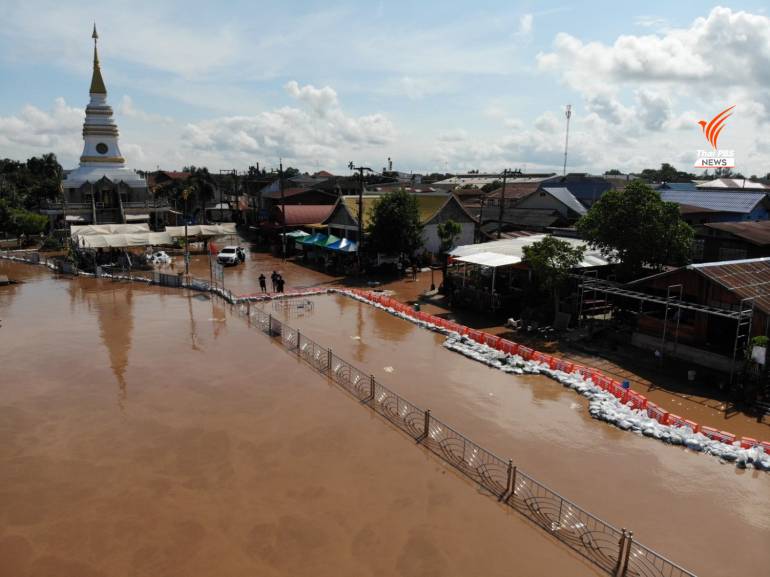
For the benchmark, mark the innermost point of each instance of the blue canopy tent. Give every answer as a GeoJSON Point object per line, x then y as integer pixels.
{"type": "Point", "coordinates": [312, 239]}
{"type": "Point", "coordinates": [344, 245]}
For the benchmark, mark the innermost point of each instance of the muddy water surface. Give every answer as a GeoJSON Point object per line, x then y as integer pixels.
{"type": "Point", "coordinates": [149, 432]}
{"type": "Point", "coordinates": [712, 518]}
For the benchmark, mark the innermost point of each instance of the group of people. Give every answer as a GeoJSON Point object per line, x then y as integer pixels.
{"type": "Point", "coordinates": [275, 278]}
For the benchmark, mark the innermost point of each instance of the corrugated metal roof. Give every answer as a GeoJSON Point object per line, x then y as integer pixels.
{"type": "Point", "coordinates": [741, 202]}
{"type": "Point", "coordinates": [299, 214]}
{"type": "Point", "coordinates": [748, 278]}
{"type": "Point", "coordinates": [732, 183]}
{"type": "Point", "coordinates": [564, 196]}
{"type": "Point", "coordinates": [755, 232]}
{"type": "Point", "coordinates": [428, 205]}
{"type": "Point", "coordinates": [680, 186]}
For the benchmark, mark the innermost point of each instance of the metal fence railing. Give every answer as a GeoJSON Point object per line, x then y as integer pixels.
{"type": "Point", "coordinates": [28, 256]}
{"type": "Point", "coordinates": [613, 550]}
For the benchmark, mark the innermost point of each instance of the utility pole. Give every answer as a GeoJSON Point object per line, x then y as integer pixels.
{"type": "Point", "coordinates": [360, 170]}
{"type": "Point", "coordinates": [502, 203]}
{"type": "Point", "coordinates": [283, 210]}
{"type": "Point", "coordinates": [568, 114]}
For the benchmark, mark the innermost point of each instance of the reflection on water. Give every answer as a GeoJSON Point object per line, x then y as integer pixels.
{"type": "Point", "coordinates": [113, 304]}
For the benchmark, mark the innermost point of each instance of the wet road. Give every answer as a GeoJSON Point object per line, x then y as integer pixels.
{"type": "Point", "coordinates": [714, 519]}
{"type": "Point", "coordinates": [146, 431]}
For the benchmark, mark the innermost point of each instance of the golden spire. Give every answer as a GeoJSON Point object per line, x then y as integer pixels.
{"type": "Point", "coordinates": [97, 84]}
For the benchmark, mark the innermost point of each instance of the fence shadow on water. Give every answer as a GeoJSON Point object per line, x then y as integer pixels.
{"type": "Point", "coordinates": [611, 549]}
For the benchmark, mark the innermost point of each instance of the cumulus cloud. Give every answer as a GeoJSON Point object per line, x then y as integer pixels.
{"type": "Point", "coordinates": [33, 130]}
{"type": "Point", "coordinates": [318, 129]}
{"type": "Point", "coordinates": [129, 109]}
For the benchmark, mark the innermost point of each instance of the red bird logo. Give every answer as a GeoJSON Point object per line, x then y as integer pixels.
{"type": "Point", "coordinates": [712, 129]}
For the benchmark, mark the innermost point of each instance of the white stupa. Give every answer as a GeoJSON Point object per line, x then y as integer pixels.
{"type": "Point", "coordinates": [101, 156]}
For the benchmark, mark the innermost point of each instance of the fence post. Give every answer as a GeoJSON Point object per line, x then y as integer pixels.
{"type": "Point", "coordinates": [509, 486]}
{"type": "Point", "coordinates": [371, 387]}
{"type": "Point", "coordinates": [621, 553]}
{"type": "Point", "coordinates": [299, 351]}
{"type": "Point", "coordinates": [270, 325]}
{"type": "Point", "coordinates": [329, 361]}
{"type": "Point", "coordinates": [629, 541]}
{"type": "Point", "coordinates": [426, 427]}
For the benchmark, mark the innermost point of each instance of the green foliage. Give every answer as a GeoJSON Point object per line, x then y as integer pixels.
{"type": "Point", "coordinates": [666, 173]}
{"type": "Point", "coordinates": [395, 224]}
{"type": "Point", "coordinates": [202, 183]}
{"type": "Point", "coordinates": [447, 233]}
{"type": "Point", "coordinates": [290, 172]}
{"type": "Point", "coordinates": [29, 184]}
{"type": "Point", "coordinates": [551, 260]}
{"type": "Point", "coordinates": [637, 228]}
{"type": "Point", "coordinates": [613, 172]}
{"type": "Point", "coordinates": [492, 186]}
{"type": "Point", "coordinates": [18, 221]}
{"type": "Point", "coordinates": [759, 341]}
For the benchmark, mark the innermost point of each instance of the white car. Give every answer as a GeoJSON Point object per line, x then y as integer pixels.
{"type": "Point", "coordinates": [159, 257]}
{"type": "Point", "coordinates": [230, 255]}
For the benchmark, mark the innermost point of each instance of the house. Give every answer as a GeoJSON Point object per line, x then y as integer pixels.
{"type": "Point", "coordinates": [732, 184]}
{"type": "Point", "coordinates": [297, 195]}
{"type": "Point", "coordinates": [720, 241]}
{"type": "Point", "coordinates": [723, 304]}
{"type": "Point", "coordinates": [434, 208]}
{"type": "Point", "coordinates": [720, 206]}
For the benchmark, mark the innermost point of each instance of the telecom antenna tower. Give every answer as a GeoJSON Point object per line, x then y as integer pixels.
{"type": "Point", "coordinates": [568, 114]}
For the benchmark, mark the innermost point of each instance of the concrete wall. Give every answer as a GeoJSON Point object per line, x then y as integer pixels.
{"type": "Point", "coordinates": [432, 242]}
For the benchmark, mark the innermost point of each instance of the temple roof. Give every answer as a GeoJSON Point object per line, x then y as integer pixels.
{"type": "Point", "coordinates": [97, 83]}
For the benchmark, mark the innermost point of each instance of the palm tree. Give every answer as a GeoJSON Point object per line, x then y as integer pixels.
{"type": "Point", "coordinates": [203, 183]}
{"type": "Point", "coordinates": [447, 234]}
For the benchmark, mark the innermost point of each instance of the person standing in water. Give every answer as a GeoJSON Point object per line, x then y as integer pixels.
{"type": "Point", "coordinates": [274, 279]}
{"type": "Point", "coordinates": [262, 283]}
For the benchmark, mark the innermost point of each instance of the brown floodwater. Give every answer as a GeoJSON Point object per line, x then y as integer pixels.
{"type": "Point", "coordinates": [148, 431]}
{"type": "Point", "coordinates": [712, 518]}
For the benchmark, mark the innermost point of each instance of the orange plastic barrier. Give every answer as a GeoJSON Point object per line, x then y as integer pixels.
{"type": "Point", "coordinates": [766, 446]}
{"type": "Point", "coordinates": [525, 352]}
{"type": "Point", "coordinates": [637, 401]}
{"type": "Point", "coordinates": [536, 356]}
{"type": "Point", "coordinates": [748, 443]}
{"type": "Point", "coordinates": [695, 427]}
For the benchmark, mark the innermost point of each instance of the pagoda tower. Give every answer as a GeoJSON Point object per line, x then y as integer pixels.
{"type": "Point", "coordinates": [103, 190]}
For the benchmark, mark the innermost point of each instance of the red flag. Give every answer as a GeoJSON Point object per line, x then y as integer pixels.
{"type": "Point", "coordinates": [212, 248]}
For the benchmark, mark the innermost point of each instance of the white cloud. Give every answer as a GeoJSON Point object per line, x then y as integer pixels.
{"type": "Point", "coordinates": [127, 108]}
{"type": "Point", "coordinates": [34, 131]}
{"type": "Point", "coordinates": [317, 130]}
{"type": "Point", "coordinates": [526, 24]}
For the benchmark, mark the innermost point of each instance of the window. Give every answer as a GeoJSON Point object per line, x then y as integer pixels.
{"type": "Point", "coordinates": [698, 246]}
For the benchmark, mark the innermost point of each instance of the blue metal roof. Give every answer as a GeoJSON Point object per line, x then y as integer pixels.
{"type": "Point", "coordinates": [742, 202]}
{"type": "Point", "coordinates": [564, 196]}
{"type": "Point", "coordinates": [678, 186]}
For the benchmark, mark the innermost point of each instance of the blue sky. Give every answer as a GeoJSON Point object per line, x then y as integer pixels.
{"type": "Point", "coordinates": [434, 85]}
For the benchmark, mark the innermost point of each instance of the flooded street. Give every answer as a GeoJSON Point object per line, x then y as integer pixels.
{"type": "Point", "coordinates": [149, 431]}
{"type": "Point", "coordinates": [714, 519]}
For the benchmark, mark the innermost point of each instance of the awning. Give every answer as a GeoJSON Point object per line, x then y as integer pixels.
{"type": "Point", "coordinates": [124, 240]}
{"type": "Point", "coordinates": [312, 239]}
{"type": "Point", "coordinates": [297, 234]}
{"type": "Point", "coordinates": [92, 229]}
{"type": "Point", "coordinates": [75, 218]}
{"type": "Point", "coordinates": [203, 230]}
{"type": "Point", "coordinates": [137, 217]}
{"type": "Point", "coordinates": [344, 245]}
{"type": "Point", "coordinates": [490, 259]}
{"type": "Point", "coordinates": [324, 241]}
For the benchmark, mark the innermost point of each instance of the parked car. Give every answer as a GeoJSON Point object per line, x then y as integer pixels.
{"type": "Point", "coordinates": [159, 257]}
{"type": "Point", "coordinates": [230, 255]}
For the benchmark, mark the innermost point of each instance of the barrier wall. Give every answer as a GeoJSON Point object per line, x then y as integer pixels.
{"type": "Point", "coordinates": [614, 387]}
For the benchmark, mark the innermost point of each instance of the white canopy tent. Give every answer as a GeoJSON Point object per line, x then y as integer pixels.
{"type": "Point", "coordinates": [514, 247]}
{"type": "Point", "coordinates": [202, 230]}
{"type": "Point", "coordinates": [490, 259]}
{"type": "Point", "coordinates": [138, 239]}
{"type": "Point", "coordinates": [102, 229]}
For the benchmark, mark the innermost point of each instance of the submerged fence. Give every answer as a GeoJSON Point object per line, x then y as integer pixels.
{"type": "Point", "coordinates": [613, 550]}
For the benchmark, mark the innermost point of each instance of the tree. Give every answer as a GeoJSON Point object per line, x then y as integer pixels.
{"type": "Point", "coordinates": [290, 172]}
{"type": "Point", "coordinates": [637, 228]}
{"type": "Point", "coordinates": [203, 184]}
{"type": "Point", "coordinates": [613, 172]}
{"type": "Point", "coordinates": [394, 226]}
{"type": "Point", "coordinates": [550, 261]}
{"type": "Point", "coordinates": [491, 186]}
{"type": "Point", "coordinates": [447, 233]}
{"type": "Point", "coordinates": [666, 173]}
